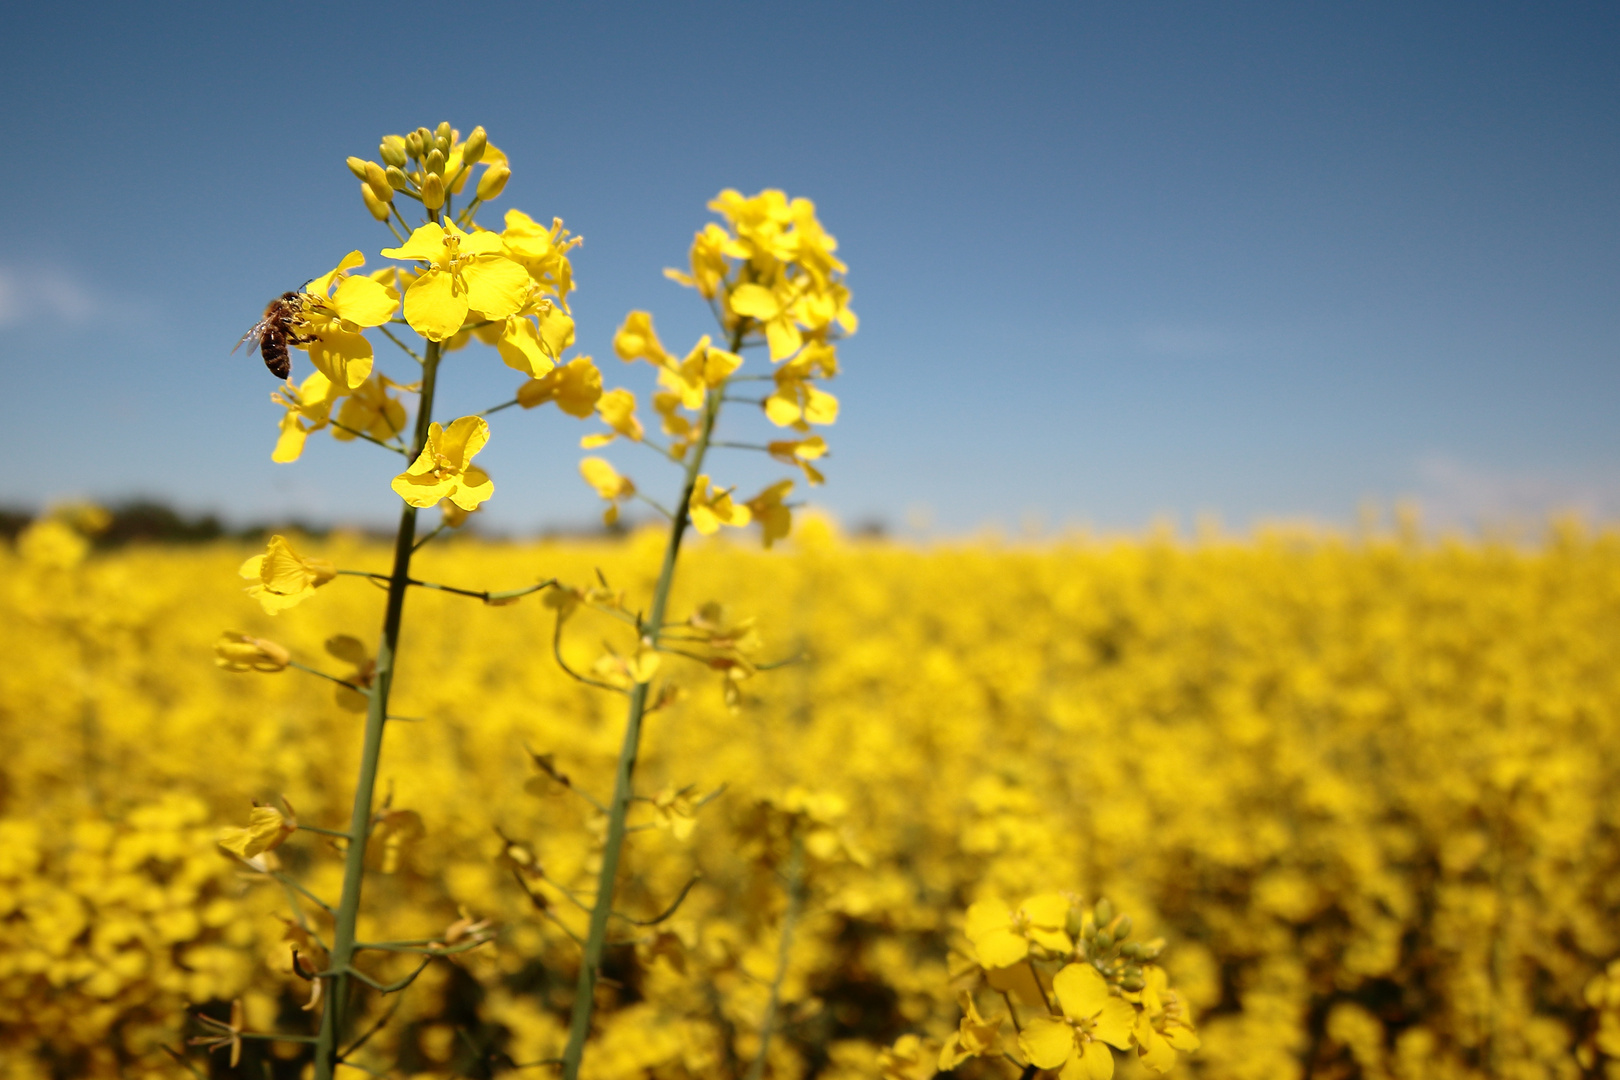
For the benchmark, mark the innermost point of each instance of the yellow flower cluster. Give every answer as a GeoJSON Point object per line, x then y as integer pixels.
{"type": "Point", "coordinates": [1363, 789]}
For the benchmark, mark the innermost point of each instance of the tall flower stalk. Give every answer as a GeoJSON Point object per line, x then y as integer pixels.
{"type": "Point", "coordinates": [772, 282]}
{"type": "Point", "coordinates": [508, 289]}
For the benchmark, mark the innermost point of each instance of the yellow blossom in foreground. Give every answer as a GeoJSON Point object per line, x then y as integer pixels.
{"type": "Point", "coordinates": [1075, 1042]}
{"type": "Point", "coordinates": [444, 469]}
{"type": "Point", "coordinates": [267, 829]}
{"type": "Point", "coordinates": [340, 306]}
{"type": "Point", "coordinates": [797, 402]}
{"type": "Point", "coordinates": [464, 272]}
{"type": "Point", "coordinates": [241, 652]}
{"type": "Point", "coordinates": [533, 338]}
{"type": "Point", "coordinates": [711, 508]}
{"type": "Point", "coordinates": [576, 387]}
{"type": "Point", "coordinates": [282, 578]}
{"type": "Point", "coordinates": [1001, 936]}
{"type": "Point", "coordinates": [308, 409]}
{"type": "Point", "coordinates": [541, 251]}
{"type": "Point", "coordinates": [370, 411]}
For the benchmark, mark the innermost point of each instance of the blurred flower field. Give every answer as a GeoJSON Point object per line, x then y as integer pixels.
{"type": "Point", "coordinates": [1366, 790]}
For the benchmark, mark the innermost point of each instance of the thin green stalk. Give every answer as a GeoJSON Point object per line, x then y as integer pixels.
{"type": "Point", "coordinates": [784, 951]}
{"type": "Point", "coordinates": [579, 1027]}
{"type": "Point", "coordinates": [354, 863]}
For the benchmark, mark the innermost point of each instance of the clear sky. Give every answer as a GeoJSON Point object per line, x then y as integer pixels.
{"type": "Point", "coordinates": [1112, 261]}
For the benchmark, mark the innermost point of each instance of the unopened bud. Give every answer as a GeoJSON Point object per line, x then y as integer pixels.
{"type": "Point", "coordinates": [433, 191]}
{"type": "Point", "coordinates": [377, 206]}
{"type": "Point", "coordinates": [426, 138]}
{"type": "Point", "coordinates": [392, 150]}
{"type": "Point", "coordinates": [473, 148]}
{"type": "Point", "coordinates": [357, 166]}
{"type": "Point", "coordinates": [397, 178]}
{"type": "Point", "coordinates": [441, 145]}
{"type": "Point", "coordinates": [493, 182]}
{"type": "Point", "coordinates": [1104, 911]}
{"type": "Point", "coordinates": [1132, 984]}
{"type": "Point", "coordinates": [377, 180]}
{"type": "Point", "coordinates": [1132, 972]}
{"type": "Point", "coordinates": [413, 144]}
{"type": "Point", "coordinates": [1131, 950]}
{"type": "Point", "coordinates": [435, 162]}
{"type": "Point", "coordinates": [1122, 928]}
{"type": "Point", "coordinates": [443, 130]}
{"type": "Point", "coordinates": [1105, 940]}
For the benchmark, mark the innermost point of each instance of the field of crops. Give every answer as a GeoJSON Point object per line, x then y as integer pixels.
{"type": "Point", "coordinates": [1367, 791]}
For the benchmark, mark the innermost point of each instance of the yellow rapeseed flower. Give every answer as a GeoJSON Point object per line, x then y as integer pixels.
{"type": "Point", "coordinates": [241, 652]}
{"type": "Point", "coordinates": [464, 272]}
{"type": "Point", "coordinates": [283, 578]}
{"type": "Point", "coordinates": [973, 1036]}
{"type": "Point", "coordinates": [711, 508]}
{"type": "Point", "coordinates": [267, 829]}
{"type": "Point", "coordinates": [1074, 1042]}
{"type": "Point", "coordinates": [444, 469]}
{"type": "Point", "coordinates": [340, 306]}
{"type": "Point", "coordinates": [602, 476]}
{"type": "Point", "coordinates": [1001, 936]}
{"type": "Point", "coordinates": [576, 387]}
{"type": "Point", "coordinates": [771, 513]}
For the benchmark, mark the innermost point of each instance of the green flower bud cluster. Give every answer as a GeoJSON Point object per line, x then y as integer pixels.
{"type": "Point", "coordinates": [429, 165]}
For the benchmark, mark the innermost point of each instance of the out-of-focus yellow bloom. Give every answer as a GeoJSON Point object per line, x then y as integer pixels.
{"type": "Point", "coordinates": [908, 1059]}
{"type": "Point", "coordinates": [1162, 1027]}
{"type": "Point", "coordinates": [341, 305]}
{"type": "Point", "coordinates": [637, 340]}
{"type": "Point", "coordinates": [773, 516]}
{"type": "Point", "coordinates": [369, 410]}
{"type": "Point", "coordinates": [618, 411]}
{"type": "Point", "coordinates": [973, 1036]}
{"type": "Point", "coordinates": [705, 368]}
{"type": "Point", "coordinates": [1091, 1018]}
{"type": "Point", "coordinates": [241, 652]}
{"type": "Point", "coordinates": [444, 469]}
{"type": "Point", "coordinates": [710, 246]}
{"type": "Point", "coordinates": [267, 829]}
{"type": "Point", "coordinates": [51, 542]}
{"type": "Point", "coordinates": [626, 671]}
{"type": "Point", "coordinates": [710, 508]}
{"type": "Point", "coordinates": [1001, 936]}
{"type": "Point", "coordinates": [797, 402]}
{"type": "Point", "coordinates": [801, 452]}
{"type": "Point", "coordinates": [774, 310]}
{"type": "Point", "coordinates": [675, 812]}
{"type": "Point", "coordinates": [464, 272]}
{"type": "Point", "coordinates": [283, 578]}
{"type": "Point", "coordinates": [576, 387]}
{"type": "Point", "coordinates": [611, 486]}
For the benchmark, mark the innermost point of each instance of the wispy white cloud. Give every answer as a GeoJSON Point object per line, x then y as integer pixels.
{"type": "Point", "coordinates": [48, 294]}
{"type": "Point", "coordinates": [1453, 493]}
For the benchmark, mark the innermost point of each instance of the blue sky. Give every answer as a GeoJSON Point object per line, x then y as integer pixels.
{"type": "Point", "coordinates": [1112, 261]}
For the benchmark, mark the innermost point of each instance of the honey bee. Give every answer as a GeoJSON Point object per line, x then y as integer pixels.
{"type": "Point", "coordinates": [279, 329]}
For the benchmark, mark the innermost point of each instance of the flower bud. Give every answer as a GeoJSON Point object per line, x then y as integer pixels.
{"type": "Point", "coordinates": [1104, 911]}
{"type": "Point", "coordinates": [493, 182]}
{"type": "Point", "coordinates": [441, 145]}
{"type": "Point", "coordinates": [442, 131]}
{"type": "Point", "coordinates": [433, 191]}
{"type": "Point", "coordinates": [358, 167]}
{"type": "Point", "coordinates": [1132, 983]}
{"type": "Point", "coordinates": [414, 144]}
{"type": "Point", "coordinates": [240, 652]}
{"type": "Point", "coordinates": [1122, 928]}
{"type": "Point", "coordinates": [377, 180]}
{"type": "Point", "coordinates": [377, 206]}
{"type": "Point", "coordinates": [473, 148]}
{"type": "Point", "coordinates": [392, 150]}
{"type": "Point", "coordinates": [435, 162]}
{"type": "Point", "coordinates": [1131, 950]}
{"type": "Point", "coordinates": [1105, 940]}
{"type": "Point", "coordinates": [426, 137]}
{"type": "Point", "coordinates": [397, 178]}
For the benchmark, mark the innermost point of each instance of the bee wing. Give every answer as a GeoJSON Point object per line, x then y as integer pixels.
{"type": "Point", "coordinates": [250, 339]}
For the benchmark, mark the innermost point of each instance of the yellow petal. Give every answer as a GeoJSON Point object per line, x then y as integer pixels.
{"type": "Point", "coordinates": [341, 356]}
{"type": "Point", "coordinates": [496, 286]}
{"type": "Point", "coordinates": [520, 348]}
{"type": "Point", "coordinates": [434, 307]}
{"type": "Point", "coordinates": [1097, 1062]}
{"type": "Point", "coordinates": [1113, 1023]}
{"type": "Point", "coordinates": [426, 243]}
{"type": "Point", "coordinates": [1081, 991]}
{"type": "Point", "coordinates": [364, 302]}
{"type": "Point", "coordinates": [1047, 1043]}
{"type": "Point", "coordinates": [753, 300]}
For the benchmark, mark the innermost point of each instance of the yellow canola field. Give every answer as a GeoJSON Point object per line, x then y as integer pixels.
{"type": "Point", "coordinates": [1368, 791]}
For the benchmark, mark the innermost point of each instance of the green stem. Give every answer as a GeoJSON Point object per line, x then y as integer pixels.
{"type": "Point", "coordinates": [354, 863]}
{"type": "Point", "coordinates": [784, 952]}
{"type": "Point", "coordinates": [579, 1027]}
